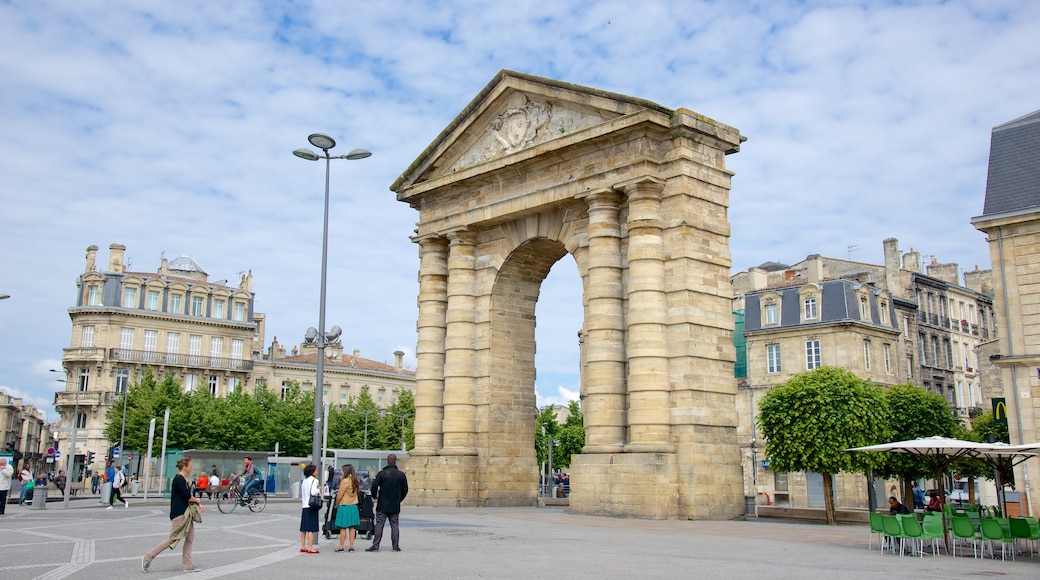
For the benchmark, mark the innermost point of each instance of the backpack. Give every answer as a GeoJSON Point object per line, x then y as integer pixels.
{"type": "Point", "coordinates": [259, 474]}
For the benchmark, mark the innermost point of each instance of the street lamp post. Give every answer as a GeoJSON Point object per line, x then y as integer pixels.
{"type": "Point", "coordinates": [70, 461]}
{"type": "Point", "coordinates": [318, 337]}
{"type": "Point", "coordinates": [402, 416]}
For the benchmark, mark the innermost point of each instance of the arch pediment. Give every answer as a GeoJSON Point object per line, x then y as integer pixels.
{"type": "Point", "coordinates": [518, 113]}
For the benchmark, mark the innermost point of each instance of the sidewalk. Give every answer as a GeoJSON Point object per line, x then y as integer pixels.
{"type": "Point", "coordinates": [89, 542]}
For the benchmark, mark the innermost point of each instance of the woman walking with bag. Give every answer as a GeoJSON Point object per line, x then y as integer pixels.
{"type": "Point", "coordinates": [347, 519]}
{"type": "Point", "coordinates": [310, 494]}
{"type": "Point", "coordinates": [185, 510]}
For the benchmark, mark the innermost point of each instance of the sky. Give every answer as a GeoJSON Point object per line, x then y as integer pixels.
{"type": "Point", "coordinates": [168, 127]}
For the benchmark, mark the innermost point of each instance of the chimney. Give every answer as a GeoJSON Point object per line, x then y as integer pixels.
{"type": "Point", "coordinates": [164, 268]}
{"type": "Point", "coordinates": [892, 266]}
{"type": "Point", "coordinates": [949, 273]}
{"type": "Point", "coordinates": [788, 274]}
{"type": "Point", "coordinates": [115, 258]}
{"type": "Point", "coordinates": [980, 281]}
{"type": "Point", "coordinates": [814, 268]}
{"type": "Point", "coordinates": [398, 359]}
{"type": "Point", "coordinates": [912, 261]}
{"type": "Point", "coordinates": [759, 278]}
{"type": "Point", "coordinates": [91, 257]}
{"type": "Point", "coordinates": [357, 353]}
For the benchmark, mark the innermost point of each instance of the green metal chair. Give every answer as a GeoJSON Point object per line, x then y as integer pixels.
{"type": "Point", "coordinates": [992, 531]}
{"type": "Point", "coordinates": [893, 531]}
{"type": "Point", "coordinates": [877, 526]}
{"type": "Point", "coordinates": [932, 531]}
{"type": "Point", "coordinates": [1020, 531]}
{"type": "Point", "coordinates": [912, 531]}
{"type": "Point", "coordinates": [1034, 533]}
{"type": "Point", "coordinates": [963, 530]}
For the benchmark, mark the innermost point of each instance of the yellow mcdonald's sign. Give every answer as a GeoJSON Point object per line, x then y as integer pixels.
{"type": "Point", "coordinates": [1000, 410]}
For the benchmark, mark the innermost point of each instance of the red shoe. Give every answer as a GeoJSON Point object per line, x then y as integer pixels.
{"type": "Point", "coordinates": [313, 552]}
{"type": "Point", "coordinates": [303, 550]}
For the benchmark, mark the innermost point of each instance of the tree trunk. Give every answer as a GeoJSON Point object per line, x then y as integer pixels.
{"type": "Point", "coordinates": [828, 498]}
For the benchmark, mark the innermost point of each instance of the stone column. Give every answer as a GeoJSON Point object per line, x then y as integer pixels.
{"type": "Point", "coordinates": [460, 418]}
{"type": "Point", "coordinates": [647, 348]}
{"type": "Point", "coordinates": [429, 350]}
{"type": "Point", "coordinates": [603, 403]}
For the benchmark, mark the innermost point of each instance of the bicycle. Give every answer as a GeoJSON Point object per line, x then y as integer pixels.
{"type": "Point", "coordinates": [228, 501]}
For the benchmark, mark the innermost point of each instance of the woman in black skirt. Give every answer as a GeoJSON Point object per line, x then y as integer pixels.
{"type": "Point", "coordinates": [309, 520]}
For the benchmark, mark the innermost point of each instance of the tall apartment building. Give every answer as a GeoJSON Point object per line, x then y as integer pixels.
{"type": "Point", "coordinates": [174, 320]}
{"type": "Point", "coordinates": [1011, 220]}
{"type": "Point", "coordinates": [891, 324]}
{"type": "Point", "coordinates": [205, 333]}
{"type": "Point", "coordinates": [24, 433]}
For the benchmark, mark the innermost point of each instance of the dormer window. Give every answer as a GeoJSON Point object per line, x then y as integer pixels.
{"type": "Point", "coordinates": [772, 314]}
{"type": "Point", "coordinates": [809, 308]}
{"type": "Point", "coordinates": [864, 308]}
{"type": "Point", "coordinates": [129, 297]}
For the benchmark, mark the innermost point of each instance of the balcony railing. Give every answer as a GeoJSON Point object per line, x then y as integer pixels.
{"type": "Point", "coordinates": [92, 353]}
{"type": "Point", "coordinates": [85, 398]}
{"type": "Point", "coordinates": [945, 322]}
{"type": "Point", "coordinates": [179, 360]}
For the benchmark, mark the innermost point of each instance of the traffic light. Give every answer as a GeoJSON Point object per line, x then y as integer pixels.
{"type": "Point", "coordinates": [90, 457]}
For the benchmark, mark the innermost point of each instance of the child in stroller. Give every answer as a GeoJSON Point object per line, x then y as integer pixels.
{"type": "Point", "coordinates": [365, 507]}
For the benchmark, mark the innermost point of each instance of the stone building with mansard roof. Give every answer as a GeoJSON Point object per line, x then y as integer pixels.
{"type": "Point", "coordinates": [177, 321]}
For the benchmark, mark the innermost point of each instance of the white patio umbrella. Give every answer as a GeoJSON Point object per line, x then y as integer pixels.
{"type": "Point", "coordinates": [937, 452]}
{"type": "Point", "coordinates": [993, 452]}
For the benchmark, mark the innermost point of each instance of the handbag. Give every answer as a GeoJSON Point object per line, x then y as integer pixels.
{"type": "Point", "coordinates": [315, 501]}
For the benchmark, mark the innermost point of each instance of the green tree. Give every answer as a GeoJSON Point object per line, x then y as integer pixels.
{"type": "Point", "coordinates": [569, 437]}
{"type": "Point", "coordinates": [290, 422]}
{"type": "Point", "coordinates": [982, 428]}
{"type": "Point", "coordinates": [810, 420]}
{"type": "Point", "coordinates": [913, 413]}
{"type": "Point", "coordinates": [146, 400]}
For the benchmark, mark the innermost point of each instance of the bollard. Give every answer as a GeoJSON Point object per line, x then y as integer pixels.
{"type": "Point", "coordinates": [39, 499]}
{"type": "Point", "coordinates": [106, 492]}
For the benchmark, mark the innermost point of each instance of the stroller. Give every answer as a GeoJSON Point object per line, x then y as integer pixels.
{"type": "Point", "coordinates": [329, 529]}
{"type": "Point", "coordinates": [365, 507]}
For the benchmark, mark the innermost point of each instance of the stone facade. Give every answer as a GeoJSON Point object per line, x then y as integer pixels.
{"type": "Point", "coordinates": [24, 433]}
{"type": "Point", "coordinates": [891, 324]}
{"type": "Point", "coordinates": [1011, 220]}
{"type": "Point", "coordinates": [531, 172]}
{"type": "Point", "coordinates": [205, 333]}
{"type": "Point", "coordinates": [173, 320]}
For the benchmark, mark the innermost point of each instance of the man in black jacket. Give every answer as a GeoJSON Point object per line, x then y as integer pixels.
{"type": "Point", "coordinates": [389, 488]}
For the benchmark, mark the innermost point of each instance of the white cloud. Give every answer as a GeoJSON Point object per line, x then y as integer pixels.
{"type": "Point", "coordinates": [168, 128]}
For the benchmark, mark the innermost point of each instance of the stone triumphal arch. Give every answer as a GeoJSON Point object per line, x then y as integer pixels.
{"type": "Point", "coordinates": [534, 171]}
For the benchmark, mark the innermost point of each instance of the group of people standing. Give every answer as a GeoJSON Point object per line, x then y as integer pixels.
{"type": "Point", "coordinates": [389, 489]}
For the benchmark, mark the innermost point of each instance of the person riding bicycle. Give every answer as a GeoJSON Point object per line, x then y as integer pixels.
{"type": "Point", "coordinates": [251, 480]}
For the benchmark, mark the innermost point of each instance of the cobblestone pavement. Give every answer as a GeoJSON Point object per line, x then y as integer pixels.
{"type": "Point", "coordinates": [86, 541]}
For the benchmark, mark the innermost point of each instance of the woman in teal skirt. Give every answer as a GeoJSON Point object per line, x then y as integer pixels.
{"type": "Point", "coordinates": [347, 519]}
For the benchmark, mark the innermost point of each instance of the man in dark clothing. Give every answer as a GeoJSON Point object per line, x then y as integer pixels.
{"type": "Point", "coordinates": [389, 488]}
{"type": "Point", "coordinates": [896, 507]}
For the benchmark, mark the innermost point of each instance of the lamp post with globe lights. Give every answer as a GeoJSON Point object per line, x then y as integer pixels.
{"type": "Point", "coordinates": [318, 336]}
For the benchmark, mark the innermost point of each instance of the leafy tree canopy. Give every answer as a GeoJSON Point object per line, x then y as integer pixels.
{"type": "Point", "coordinates": [253, 421]}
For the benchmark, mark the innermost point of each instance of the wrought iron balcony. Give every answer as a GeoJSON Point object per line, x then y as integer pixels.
{"type": "Point", "coordinates": [179, 360]}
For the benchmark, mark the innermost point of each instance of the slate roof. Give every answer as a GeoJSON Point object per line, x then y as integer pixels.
{"type": "Point", "coordinates": [838, 303]}
{"type": "Point", "coordinates": [1013, 183]}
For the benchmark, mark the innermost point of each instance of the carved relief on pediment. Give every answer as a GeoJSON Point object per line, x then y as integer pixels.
{"type": "Point", "coordinates": [523, 124]}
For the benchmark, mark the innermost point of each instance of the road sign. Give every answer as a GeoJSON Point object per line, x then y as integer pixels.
{"type": "Point", "coordinates": [57, 454]}
{"type": "Point", "coordinates": [115, 453]}
{"type": "Point", "coordinates": [50, 451]}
